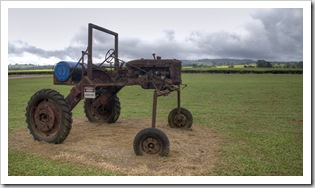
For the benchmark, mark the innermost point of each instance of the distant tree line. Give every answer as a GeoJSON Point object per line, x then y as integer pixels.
{"type": "Point", "coordinates": [259, 64]}
{"type": "Point", "coordinates": [29, 67]}
{"type": "Point", "coordinates": [267, 64]}
{"type": "Point", "coordinates": [245, 71]}
{"type": "Point", "coordinates": [263, 64]}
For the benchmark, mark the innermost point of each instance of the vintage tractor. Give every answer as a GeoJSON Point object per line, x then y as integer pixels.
{"type": "Point", "coordinates": [48, 113]}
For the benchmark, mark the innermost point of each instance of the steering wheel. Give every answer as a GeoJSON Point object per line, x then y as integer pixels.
{"type": "Point", "coordinates": [110, 55]}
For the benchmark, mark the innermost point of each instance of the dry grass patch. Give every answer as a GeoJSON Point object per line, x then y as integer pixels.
{"type": "Point", "coordinates": [110, 147]}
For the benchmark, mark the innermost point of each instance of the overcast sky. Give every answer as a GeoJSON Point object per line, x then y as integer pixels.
{"type": "Point", "coordinates": [46, 36]}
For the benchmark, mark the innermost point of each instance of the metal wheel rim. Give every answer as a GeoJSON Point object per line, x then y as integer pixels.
{"type": "Point", "coordinates": [102, 112]}
{"type": "Point", "coordinates": [151, 145]}
{"type": "Point", "coordinates": [180, 120]}
{"type": "Point", "coordinates": [46, 118]}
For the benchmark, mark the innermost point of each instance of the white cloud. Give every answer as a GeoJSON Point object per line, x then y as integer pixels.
{"type": "Point", "coordinates": [270, 34]}
{"type": "Point", "coordinates": [28, 58]}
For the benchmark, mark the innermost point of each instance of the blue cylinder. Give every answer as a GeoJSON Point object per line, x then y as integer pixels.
{"type": "Point", "coordinates": [64, 68]}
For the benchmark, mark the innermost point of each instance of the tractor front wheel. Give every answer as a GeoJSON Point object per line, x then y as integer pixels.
{"type": "Point", "coordinates": [151, 141]}
{"type": "Point", "coordinates": [182, 120]}
{"type": "Point", "coordinates": [48, 116]}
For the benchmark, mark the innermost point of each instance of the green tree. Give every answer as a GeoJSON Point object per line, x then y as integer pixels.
{"type": "Point", "coordinates": [300, 64]}
{"type": "Point", "coordinates": [263, 64]}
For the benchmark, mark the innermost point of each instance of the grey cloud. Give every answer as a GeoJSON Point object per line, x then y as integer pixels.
{"type": "Point", "coordinates": [275, 34]}
{"type": "Point", "coordinates": [284, 29]}
{"type": "Point", "coordinates": [79, 43]}
{"type": "Point", "coordinates": [19, 47]}
{"type": "Point", "coordinates": [225, 44]}
{"type": "Point", "coordinates": [169, 35]}
{"type": "Point", "coordinates": [101, 43]}
{"type": "Point", "coordinates": [137, 48]}
{"type": "Point", "coordinates": [272, 34]}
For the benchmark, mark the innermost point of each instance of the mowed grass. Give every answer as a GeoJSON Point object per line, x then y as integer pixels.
{"type": "Point", "coordinates": [23, 164]}
{"type": "Point", "coordinates": [258, 118]}
{"type": "Point", "coordinates": [26, 71]}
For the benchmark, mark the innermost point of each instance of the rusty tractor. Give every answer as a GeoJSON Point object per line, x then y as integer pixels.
{"type": "Point", "coordinates": [49, 116]}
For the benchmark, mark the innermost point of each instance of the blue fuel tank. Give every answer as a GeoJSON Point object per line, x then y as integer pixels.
{"type": "Point", "coordinates": [63, 69]}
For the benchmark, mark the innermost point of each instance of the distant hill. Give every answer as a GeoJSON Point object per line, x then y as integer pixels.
{"type": "Point", "coordinates": [227, 61]}
{"type": "Point", "coordinates": [223, 61]}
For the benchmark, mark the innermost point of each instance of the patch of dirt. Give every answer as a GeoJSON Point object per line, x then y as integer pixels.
{"type": "Point", "coordinates": [110, 147]}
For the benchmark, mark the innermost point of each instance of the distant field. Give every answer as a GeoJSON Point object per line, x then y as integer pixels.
{"type": "Point", "coordinates": [238, 69]}
{"type": "Point", "coordinates": [259, 118]}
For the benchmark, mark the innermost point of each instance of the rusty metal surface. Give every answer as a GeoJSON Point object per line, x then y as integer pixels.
{"type": "Point", "coordinates": [154, 106]}
{"type": "Point", "coordinates": [49, 118]}
{"type": "Point", "coordinates": [46, 117]}
{"type": "Point", "coordinates": [162, 75]}
{"type": "Point", "coordinates": [92, 27]}
{"type": "Point", "coordinates": [100, 107]}
{"type": "Point", "coordinates": [151, 145]}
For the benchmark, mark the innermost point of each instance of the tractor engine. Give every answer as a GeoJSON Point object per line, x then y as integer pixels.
{"type": "Point", "coordinates": [154, 73]}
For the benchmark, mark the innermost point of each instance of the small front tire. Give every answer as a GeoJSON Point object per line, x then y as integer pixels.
{"type": "Point", "coordinates": [182, 120]}
{"type": "Point", "coordinates": [151, 141]}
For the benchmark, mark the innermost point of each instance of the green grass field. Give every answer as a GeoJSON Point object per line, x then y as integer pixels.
{"type": "Point", "coordinates": [37, 71]}
{"type": "Point", "coordinates": [258, 116]}
{"type": "Point", "coordinates": [239, 69]}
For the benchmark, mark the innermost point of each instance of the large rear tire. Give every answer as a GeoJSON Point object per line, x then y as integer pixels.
{"type": "Point", "coordinates": [48, 116]}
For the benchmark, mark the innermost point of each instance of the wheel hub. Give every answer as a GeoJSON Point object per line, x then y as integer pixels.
{"type": "Point", "coordinates": [180, 120]}
{"type": "Point", "coordinates": [44, 117]}
{"type": "Point", "coordinates": [100, 110]}
{"type": "Point", "coordinates": [151, 145]}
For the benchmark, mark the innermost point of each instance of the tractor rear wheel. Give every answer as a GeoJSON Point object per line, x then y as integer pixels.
{"type": "Point", "coordinates": [48, 116]}
{"type": "Point", "coordinates": [108, 113]}
{"type": "Point", "coordinates": [182, 120]}
{"type": "Point", "coordinates": [151, 141]}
